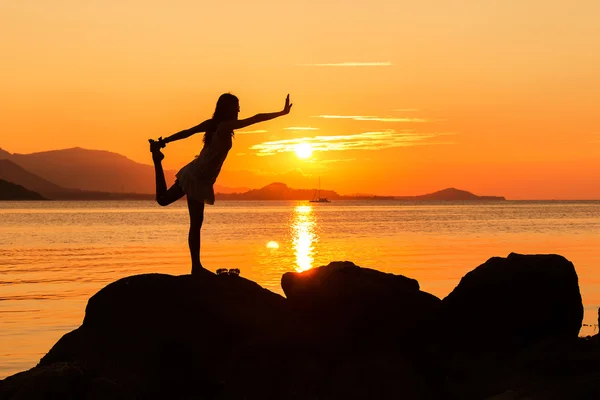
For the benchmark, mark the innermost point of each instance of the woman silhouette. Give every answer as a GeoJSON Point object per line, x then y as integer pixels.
{"type": "Point", "coordinates": [196, 179]}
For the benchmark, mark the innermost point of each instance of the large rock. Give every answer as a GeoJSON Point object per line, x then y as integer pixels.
{"type": "Point", "coordinates": [59, 381]}
{"type": "Point", "coordinates": [549, 369]}
{"type": "Point", "coordinates": [509, 303]}
{"type": "Point", "coordinates": [223, 337]}
{"type": "Point", "coordinates": [170, 335]}
{"type": "Point", "coordinates": [372, 331]}
{"type": "Point", "coordinates": [341, 279]}
{"type": "Point", "coordinates": [360, 307]}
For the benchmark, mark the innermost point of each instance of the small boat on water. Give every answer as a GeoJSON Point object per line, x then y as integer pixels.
{"type": "Point", "coordinates": [317, 196]}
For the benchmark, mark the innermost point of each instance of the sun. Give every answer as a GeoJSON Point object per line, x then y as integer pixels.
{"type": "Point", "coordinates": [304, 150]}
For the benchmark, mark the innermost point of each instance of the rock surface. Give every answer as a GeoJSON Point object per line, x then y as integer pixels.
{"type": "Point", "coordinates": [361, 308]}
{"type": "Point", "coordinates": [508, 331]}
{"type": "Point", "coordinates": [509, 303]}
{"type": "Point", "coordinates": [163, 335]}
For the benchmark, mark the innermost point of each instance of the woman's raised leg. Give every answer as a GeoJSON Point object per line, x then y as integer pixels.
{"type": "Point", "coordinates": [164, 196]}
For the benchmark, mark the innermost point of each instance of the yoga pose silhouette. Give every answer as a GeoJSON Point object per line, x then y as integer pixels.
{"type": "Point", "coordinates": [196, 179]}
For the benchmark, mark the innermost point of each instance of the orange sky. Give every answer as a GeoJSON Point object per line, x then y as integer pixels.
{"type": "Point", "coordinates": [495, 97]}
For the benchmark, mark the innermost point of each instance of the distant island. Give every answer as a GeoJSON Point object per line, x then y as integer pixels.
{"type": "Point", "coordinates": [450, 194]}
{"type": "Point", "coordinates": [11, 191]}
{"type": "Point", "coordinates": [280, 191]}
{"type": "Point", "coordinates": [81, 174]}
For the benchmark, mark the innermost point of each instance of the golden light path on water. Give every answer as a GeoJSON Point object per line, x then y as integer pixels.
{"type": "Point", "coordinates": [303, 237]}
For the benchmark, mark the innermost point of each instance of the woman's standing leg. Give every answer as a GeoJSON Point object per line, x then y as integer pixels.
{"type": "Point", "coordinates": [196, 209]}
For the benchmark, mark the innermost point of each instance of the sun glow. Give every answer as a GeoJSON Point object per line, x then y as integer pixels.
{"type": "Point", "coordinates": [304, 150]}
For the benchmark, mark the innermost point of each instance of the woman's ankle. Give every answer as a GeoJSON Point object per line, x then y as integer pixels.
{"type": "Point", "coordinates": [198, 269]}
{"type": "Point", "coordinates": [157, 155]}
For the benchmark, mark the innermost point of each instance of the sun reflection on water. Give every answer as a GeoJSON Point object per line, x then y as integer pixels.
{"type": "Point", "coordinates": [303, 237]}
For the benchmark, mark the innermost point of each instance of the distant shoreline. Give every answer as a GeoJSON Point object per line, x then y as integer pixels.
{"type": "Point", "coordinates": [151, 198]}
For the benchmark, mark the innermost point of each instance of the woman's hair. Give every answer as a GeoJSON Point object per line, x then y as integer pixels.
{"type": "Point", "coordinates": [226, 109]}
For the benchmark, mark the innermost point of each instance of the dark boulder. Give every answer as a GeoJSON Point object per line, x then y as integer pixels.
{"type": "Point", "coordinates": [549, 369]}
{"type": "Point", "coordinates": [169, 335]}
{"type": "Point", "coordinates": [340, 279]}
{"type": "Point", "coordinates": [371, 332]}
{"type": "Point", "coordinates": [58, 381]}
{"type": "Point", "coordinates": [361, 308]}
{"type": "Point", "coordinates": [509, 303]}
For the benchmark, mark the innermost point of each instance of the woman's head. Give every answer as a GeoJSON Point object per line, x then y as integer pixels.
{"type": "Point", "coordinates": [228, 107]}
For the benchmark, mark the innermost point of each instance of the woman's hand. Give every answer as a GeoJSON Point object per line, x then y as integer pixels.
{"type": "Point", "coordinates": [288, 106]}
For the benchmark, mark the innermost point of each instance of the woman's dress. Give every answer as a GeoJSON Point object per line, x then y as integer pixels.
{"type": "Point", "coordinates": [198, 177]}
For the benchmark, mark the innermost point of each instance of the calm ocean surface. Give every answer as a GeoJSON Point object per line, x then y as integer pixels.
{"type": "Point", "coordinates": [55, 255]}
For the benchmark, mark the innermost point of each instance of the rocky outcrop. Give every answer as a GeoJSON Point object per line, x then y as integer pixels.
{"type": "Point", "coordinates": [360, 307]}
{"type": "Point", "coordinates": [168, 335]}
{"type": "Point", "coordinates": [509, 303]}
{"type": "Point", "coordinates": [508, 331]}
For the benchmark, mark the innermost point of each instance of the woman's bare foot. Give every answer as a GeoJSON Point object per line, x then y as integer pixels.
{"type": "Point", "coordinates": [199, 270]}
{"type": "Point", "coordinates": [155, 147]}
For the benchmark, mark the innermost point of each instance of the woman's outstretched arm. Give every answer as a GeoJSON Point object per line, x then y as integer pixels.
{"type": "Point", "coordinates": [242, 123]}
{"type": "Point", "coordinates": [202, 127]}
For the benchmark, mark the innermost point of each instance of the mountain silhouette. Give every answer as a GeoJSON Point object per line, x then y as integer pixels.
{"type": "Point", "coordinates": [90, 170]}
{"type": "Point", "coordinates": [14, 173]}
{"type": "Point", "coordinates": [11, 191]}
{"type": "Point", "coordinates": [280, 191]}
{"type": "Point", "coordinates": [227, 190]}
{"type": "Point", "coordinates": [276, 191]}
{"type": "Point", "coordinates": [450, 194]}
{"type": "Point", "coordinates": [17, 175]}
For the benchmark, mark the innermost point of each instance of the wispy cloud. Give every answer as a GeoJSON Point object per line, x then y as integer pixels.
{"type": "Point", "coordinates": [301, 128]}
{"type": "Point", "coordinates": [370, 118]}
{"type": "Point", "coordinates": [250, 132]}
{"type": "Point", "coordinates": [359, 141]}
{"type": "Point", "coordinates": [350, 64]}
{"type": "Point", "coordinates": [332, 161]}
